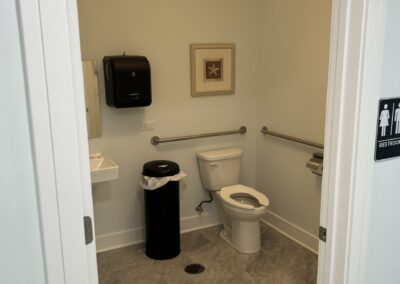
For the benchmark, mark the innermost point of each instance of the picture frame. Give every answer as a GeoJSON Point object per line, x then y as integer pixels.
{"type": "Point", "coordinates": [212, 69]}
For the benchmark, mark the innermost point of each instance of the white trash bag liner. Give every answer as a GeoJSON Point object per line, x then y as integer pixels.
{"type": "Point", "coordinates": [151, 183]}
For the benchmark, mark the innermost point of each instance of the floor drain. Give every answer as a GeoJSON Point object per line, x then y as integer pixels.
{"type": "Point", "coordinates": [194, 268]}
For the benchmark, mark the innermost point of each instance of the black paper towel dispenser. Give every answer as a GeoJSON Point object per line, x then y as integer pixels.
{"type": "Point", "coordinates": [127, 81]}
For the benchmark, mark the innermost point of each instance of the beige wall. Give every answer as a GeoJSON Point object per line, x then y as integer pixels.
{"type": "Point", "coordinates": [162, 31]}
{"type": "Point", "coordinates": [295, 64]}
{"type": "Point", "coordinates": [281, 71]}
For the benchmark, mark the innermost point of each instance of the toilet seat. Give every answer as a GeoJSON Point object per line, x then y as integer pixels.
{"type": "Point", "coordinates": [227, 191]}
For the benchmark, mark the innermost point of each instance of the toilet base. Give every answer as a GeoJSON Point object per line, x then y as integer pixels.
{"type": "Point", "coordinates": [245, 237]}
{"type": "Point", "coordinates": [225, 235]}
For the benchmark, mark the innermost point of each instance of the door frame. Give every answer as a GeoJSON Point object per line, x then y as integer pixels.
{"type": "Point", "coordinates": [50, 36]}
{"type": "Point", "coordinates": [353, 92]}
{"type": "Point", "coordinates": [54, 85]}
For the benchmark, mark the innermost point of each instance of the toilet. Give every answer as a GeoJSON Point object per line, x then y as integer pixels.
{"type": "Point", "coordinates": [243, 205]}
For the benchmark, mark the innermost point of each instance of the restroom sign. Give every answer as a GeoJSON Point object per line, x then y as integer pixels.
{"type": "Point", "coordinates": [388, 129]}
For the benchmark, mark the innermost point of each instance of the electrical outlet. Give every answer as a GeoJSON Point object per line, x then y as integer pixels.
{"type": "Point", "coordinates": [149, 125]}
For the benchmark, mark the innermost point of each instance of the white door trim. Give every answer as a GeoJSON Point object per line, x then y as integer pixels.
{"type": "Point", "coordinates": [51, 56]}
{"type": "Point", "coordinates": [36, 89]}
{"type": "Point", "coordinates": [81, 125]}
{"type": "Point", "coordinates": [349, 137]}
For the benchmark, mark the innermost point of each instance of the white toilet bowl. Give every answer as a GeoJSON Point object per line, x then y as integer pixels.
{"type": "Point", "coordinates": [243, 205]}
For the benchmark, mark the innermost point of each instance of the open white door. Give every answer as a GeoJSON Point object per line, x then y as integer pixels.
{"type": "Point", "coordinates": [354, 79]}
{"type": "Point", "coordinates": [51, 54]}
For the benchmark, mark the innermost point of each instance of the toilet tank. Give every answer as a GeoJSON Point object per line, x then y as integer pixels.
{"type": "Point", "coordinates": [219, 168]}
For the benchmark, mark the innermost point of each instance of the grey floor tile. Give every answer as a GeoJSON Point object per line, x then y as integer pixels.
{"type": "Point", "coordinates": [193, 241]}
{"type": "Point", "coordinates": [281, 261]}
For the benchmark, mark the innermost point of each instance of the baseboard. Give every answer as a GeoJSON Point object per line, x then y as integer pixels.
{"type": "Point", "coordinates": [119, 239]}
{"type": "Point", "coordinates": [199, 221]}
{"type": "Point", "coordinates": [136, 235]}
{"type": "Point", "coordinates": [292, 231]}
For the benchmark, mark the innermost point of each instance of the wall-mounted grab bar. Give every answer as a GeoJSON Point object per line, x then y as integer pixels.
{"type": "Point", "coordinates": [157, 140]}
{"type": "Point", "coordinates": [265, 130]}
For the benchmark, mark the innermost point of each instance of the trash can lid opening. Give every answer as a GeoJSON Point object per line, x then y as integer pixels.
{"type": "Point", "coordinates": [160, 168]}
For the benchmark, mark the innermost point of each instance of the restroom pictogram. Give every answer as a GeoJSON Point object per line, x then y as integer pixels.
{"type": "Point", "coordinates": [388, 129]}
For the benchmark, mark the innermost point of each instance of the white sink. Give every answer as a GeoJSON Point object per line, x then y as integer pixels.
{"type": "Point", "coordinates": [102, 168]}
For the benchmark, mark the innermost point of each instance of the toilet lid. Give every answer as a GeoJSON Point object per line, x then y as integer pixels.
{"type": "Point", "coordinates": [228, 191]}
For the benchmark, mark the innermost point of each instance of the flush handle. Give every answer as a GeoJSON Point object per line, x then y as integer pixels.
{"type": "Point", "coordinates": [213, 164]}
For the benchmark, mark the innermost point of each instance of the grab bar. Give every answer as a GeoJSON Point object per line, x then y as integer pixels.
{"type": "Point", "coordinates": [265, 130]}
{"type": "Point", "coordinates": [157, 140]}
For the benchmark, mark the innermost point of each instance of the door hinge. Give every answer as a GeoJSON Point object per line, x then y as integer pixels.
{"type": "Point", "coordinates": [87, 223]}
{"type": "Point", "coordinates": [322, 233]}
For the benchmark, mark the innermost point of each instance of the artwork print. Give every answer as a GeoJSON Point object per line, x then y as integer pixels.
{"type": "Point", "coordinates": [212, 69]}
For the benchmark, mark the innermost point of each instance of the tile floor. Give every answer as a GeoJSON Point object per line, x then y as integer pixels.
{"type": "Point", "coordinates": [281, 261]}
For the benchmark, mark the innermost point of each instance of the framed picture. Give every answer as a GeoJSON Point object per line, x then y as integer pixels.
{"type": "Point", "coordinates": [212, 69]}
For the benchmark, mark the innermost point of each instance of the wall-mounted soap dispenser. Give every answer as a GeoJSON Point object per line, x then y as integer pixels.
{"type": "Point", "coordinates": [127, 81]}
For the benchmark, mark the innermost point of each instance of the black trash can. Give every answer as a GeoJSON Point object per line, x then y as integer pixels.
{"type": "Point", "coordinates": [162, 212]}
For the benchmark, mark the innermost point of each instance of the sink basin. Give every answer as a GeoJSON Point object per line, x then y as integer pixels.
{"type": "Point", "coordinates": [102, 168]}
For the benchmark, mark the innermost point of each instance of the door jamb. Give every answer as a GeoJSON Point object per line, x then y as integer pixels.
{"type": "Point", "coordinates": [354, 78]}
